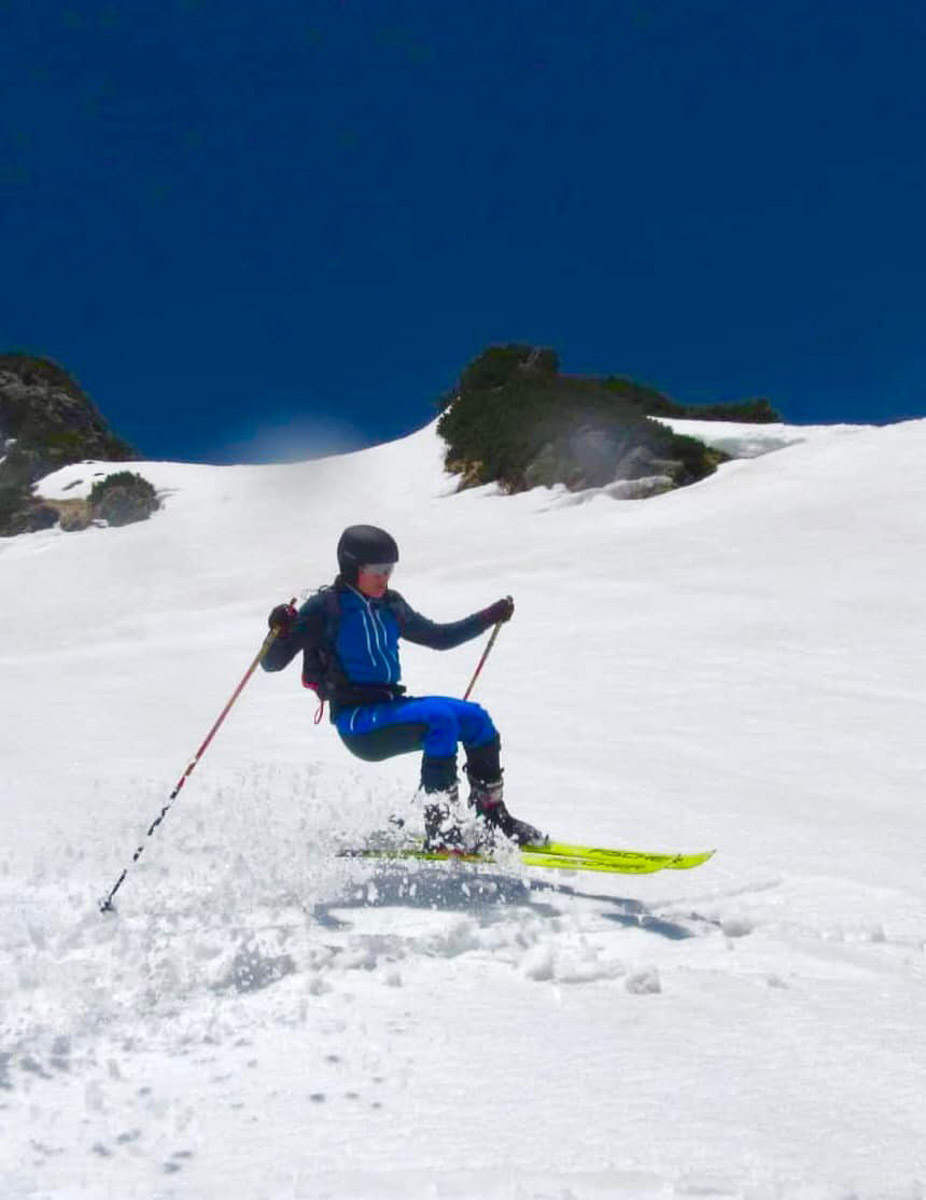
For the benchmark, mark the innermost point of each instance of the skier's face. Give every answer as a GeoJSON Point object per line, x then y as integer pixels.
{"type": "Point", "coordinates": [373, 579]}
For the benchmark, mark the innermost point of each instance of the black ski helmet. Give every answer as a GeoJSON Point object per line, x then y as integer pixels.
{"type": "Point", "coordinates": [360, 545]}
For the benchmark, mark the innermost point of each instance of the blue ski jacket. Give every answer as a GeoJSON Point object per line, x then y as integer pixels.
{"type": "Point", "coordinates": [350, 643]}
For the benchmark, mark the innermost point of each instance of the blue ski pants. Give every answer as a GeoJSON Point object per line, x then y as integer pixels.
{"type": "Point", "coordinates": [434, 724]}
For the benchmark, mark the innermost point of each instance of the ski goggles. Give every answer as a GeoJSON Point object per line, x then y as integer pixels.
{"type": "Point", "coordinates": [378, 568]}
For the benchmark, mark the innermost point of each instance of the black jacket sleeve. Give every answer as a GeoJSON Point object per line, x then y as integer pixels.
{"type": "Point", "coordinates": [416, 628]}
{"type": "Point", "coordinates": [307, 630]}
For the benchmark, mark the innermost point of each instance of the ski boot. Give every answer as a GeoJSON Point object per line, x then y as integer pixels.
{"type": "Point", "coordinates": [485, 797]}
{"type": "Point", "coordinates": [442, 827]}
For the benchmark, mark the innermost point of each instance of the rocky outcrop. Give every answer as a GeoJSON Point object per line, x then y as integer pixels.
{"type": "Point", "coordinates": [46, 422]}
{"type": "Point", "coordinates": [515, 420]}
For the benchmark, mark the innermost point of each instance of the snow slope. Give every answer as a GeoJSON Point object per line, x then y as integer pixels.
{"type": "Point", "coordinates": [738, 664]}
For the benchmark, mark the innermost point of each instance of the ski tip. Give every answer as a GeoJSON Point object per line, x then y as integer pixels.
{"type": "Point", "coordinates": [692, 860]}
{"type": "Point", "coordinates": [700, 859]}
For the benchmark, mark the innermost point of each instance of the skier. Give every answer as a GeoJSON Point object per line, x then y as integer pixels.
{"type": "Point", "coordinates": [349, 634]}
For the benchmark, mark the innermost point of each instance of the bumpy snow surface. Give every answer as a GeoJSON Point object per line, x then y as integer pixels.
{"type": "Point", "coordinates": [736, 665]}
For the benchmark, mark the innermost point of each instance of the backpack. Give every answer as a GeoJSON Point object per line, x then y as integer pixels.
{"type": "Point", "coordinates": [320, 665]}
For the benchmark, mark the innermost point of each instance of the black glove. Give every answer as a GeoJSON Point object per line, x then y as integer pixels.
{"type": "Point", "coordinates": [501, 610]}
{"type": "Point", "coordinates": [282, 618]}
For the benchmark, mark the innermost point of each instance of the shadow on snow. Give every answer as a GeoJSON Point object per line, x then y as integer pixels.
{"type": "Point", "coordinates": [488, 897]}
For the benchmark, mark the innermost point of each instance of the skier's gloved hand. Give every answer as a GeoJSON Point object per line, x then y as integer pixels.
{"type": "Point", "coordinates": [501, 610]}
{"type": "Point", "coordinates": [282, 618]}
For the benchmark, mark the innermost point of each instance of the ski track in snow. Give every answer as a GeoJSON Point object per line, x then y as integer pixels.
{"type": "Point", "coordinates": [263, 1019]}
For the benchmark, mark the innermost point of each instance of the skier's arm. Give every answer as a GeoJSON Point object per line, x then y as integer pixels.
{"type": "Point", "coordinates": [416, 628]}
{"type": "Point", "coordinates": [292, 637]}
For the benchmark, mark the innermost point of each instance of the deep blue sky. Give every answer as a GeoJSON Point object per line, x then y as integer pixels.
{"type": "Point", "coordinates": [233, 220]}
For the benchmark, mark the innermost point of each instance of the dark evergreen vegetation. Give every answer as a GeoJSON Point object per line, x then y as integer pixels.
{"type": "Point", "coordinates": [515, 420]}
{"type": "Point", "coordinates": [122, 498]}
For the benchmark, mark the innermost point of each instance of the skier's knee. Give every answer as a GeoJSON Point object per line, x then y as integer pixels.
{"type": "Point", "coordinates": [443, 723]}
{"type": "Point", "coordinates": [478, 727]}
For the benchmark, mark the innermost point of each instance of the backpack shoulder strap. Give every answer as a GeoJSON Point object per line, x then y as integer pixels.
{"type": "Point", "coordinates": [332, 616]}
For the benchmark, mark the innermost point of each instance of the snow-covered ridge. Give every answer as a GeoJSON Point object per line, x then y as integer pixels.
{"type": "Point", "coordinates": [741, 440]}
{"type": "Point", "coordinates": [737, 664]}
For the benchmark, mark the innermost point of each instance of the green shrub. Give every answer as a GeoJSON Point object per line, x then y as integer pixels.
{"type": "Point", "coordinates": [123, 498]}
{"type": "Point", "coordinates": [752, 412]}
{"type": "Point", "coordinates": [515, 420]}
{"type": "Point", "coordinates": [500, 365]}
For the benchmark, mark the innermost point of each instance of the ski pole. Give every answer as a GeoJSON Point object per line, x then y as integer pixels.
{"type": "Point", "coordinates": [107, 904]}
{"type": "Point", "coordinates": [485, 655]}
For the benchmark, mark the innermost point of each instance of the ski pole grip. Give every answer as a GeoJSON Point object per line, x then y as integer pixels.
{"type": "Point", "coordinates": [275, 629]}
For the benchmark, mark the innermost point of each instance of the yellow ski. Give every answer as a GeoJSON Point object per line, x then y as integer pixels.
{"type": "Point", "coordinates": [551, 856]}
